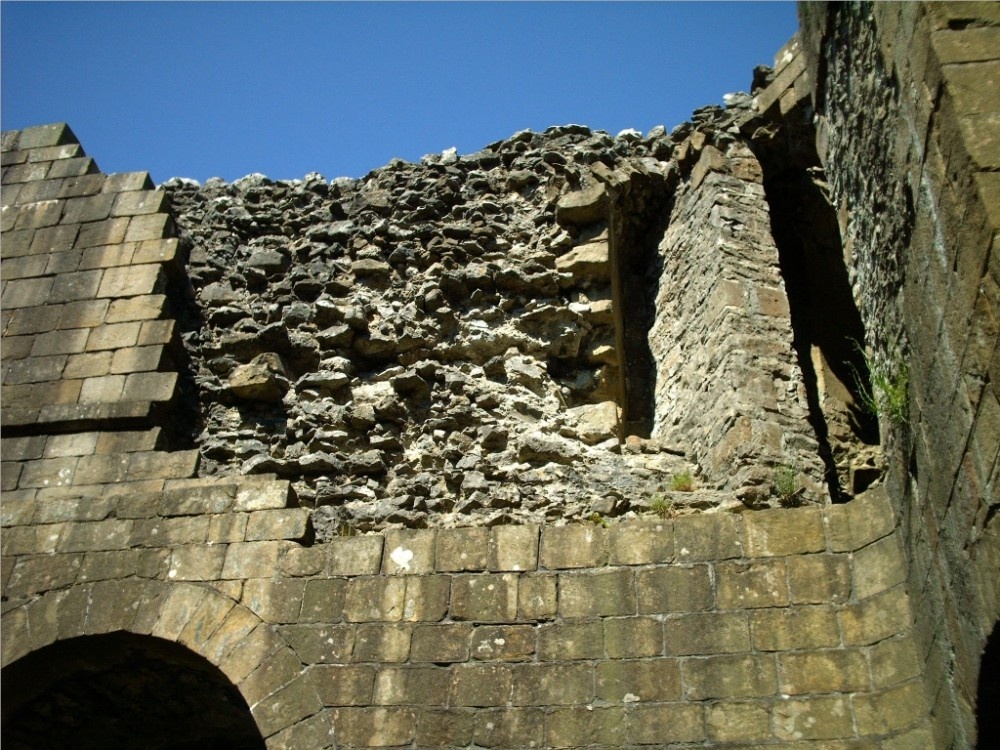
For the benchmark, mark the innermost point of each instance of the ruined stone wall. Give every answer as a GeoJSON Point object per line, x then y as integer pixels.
{"type": "Point", "coordinates": [226, 407]}
{"type": "Point", "coordinates": [907, 119]}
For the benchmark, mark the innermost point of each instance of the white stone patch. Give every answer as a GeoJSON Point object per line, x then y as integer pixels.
{"type": "Point", "coordinates": [630, 698]}
{"type": "Point", "coordinates": [401, 558]}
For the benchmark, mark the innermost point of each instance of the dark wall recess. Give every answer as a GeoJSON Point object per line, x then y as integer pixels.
{"type": "Point", "coordinates": [122, 691]}
{"type": "Point", "coordinates": [828, 331]}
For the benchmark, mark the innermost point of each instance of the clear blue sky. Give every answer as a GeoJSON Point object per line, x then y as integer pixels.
{"type": "Point", "coordinates": [198, 89]}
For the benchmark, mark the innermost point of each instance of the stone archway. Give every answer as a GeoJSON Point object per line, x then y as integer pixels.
{"type": "Point", "coordinates": [204, 631]}
{"type": "Point", "coordinates": [122, 690]}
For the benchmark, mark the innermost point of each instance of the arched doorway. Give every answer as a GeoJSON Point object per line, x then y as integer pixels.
{"type": "Point", "coordinates": [988, 694]}
{"type": "Point", "coordinates": [124, 691]}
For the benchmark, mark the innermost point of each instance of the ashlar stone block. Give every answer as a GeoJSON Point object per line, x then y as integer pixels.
{"type": "Point", "coordinates": [484, 598]}
{"type": "Point", "coordinates": [597, 593]}
{"type": "Point", "coordinates": [513, 548]}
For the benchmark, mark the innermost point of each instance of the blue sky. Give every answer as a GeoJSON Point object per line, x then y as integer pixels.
{"type": "Point", "coordinates": [197, 89]}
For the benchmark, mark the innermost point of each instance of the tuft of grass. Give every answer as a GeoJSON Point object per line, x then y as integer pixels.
{"type": "Point", "coordinates": [785, 482]}
{"type": "Point", "coordinates": [886, 395]}
{"type": "Point", "coordinates": [661, 506]}
{"type": "Point", "coordinates": [682, 482]}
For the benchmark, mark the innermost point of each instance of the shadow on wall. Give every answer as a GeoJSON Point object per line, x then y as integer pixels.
{"type": "Point", "coordinates": [124, 691]}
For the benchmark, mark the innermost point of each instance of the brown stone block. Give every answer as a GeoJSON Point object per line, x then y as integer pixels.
{"type": "Point", "coordinates": [23, 267]}
{"type": "Point", "coordinates": [240, 644]}
{"type": "Point", "coordinates": [287, 523]}
{"type": "Point", "coordinates": [577, 726]}
{"type": "Point", "coordinates": [878, 567]}
{"type": "Point", "coordinates": [122, 182]}
{"type": "Point", "coordinates": [408, 551]}
{"type": "Point", "coordinates": [461, 549]}
{"type": "Point", "coordinates": [480, 684]}
{"type": "Point", "coordinates": [641, 543]}
{"type": "Point", "coordinates": [422, 686]}
{"type": "Point", "coordinates": [251, 559]}
{"type": "Point", "coordinates": [107, 256]}
{"type": "Point", "coordinates": [176, 610]}
{"type": "Point", "coordinates": [207, 618]}
{"type": "Point", "coordinates": [445, 727]}
{"type": "Point", "coordinates": [507, 643]}
{"type": "Point", "coordinates": [67, 261]}
{"type": "Point", "coordinates": [107, 232]}
{"type": "Point", "coordinates": [375, 599]}
{"type": "Point", "coordinates": [132, 281]}
{"type": "Point", "coordinates": [90, 208]}
{"type": "Point", "coordinates": [865, 519]}
{"type": "Point", "coordinates": [26, 172]}
{"type": "Point", "coordinates": [738, 721]}
{"type": "Point", "coordinates": [569, 641]}
{"type": "Point", "coordinates": [876, 618]}
{"type": "Point", "coordinates": [826, 671]}
{"type": "Point", "coordinates": [815, 579]}
{"type": "Point", "coordinates": [79, 167]}
{"type": "Point", "coordinates": [510, 727]}
{"type": "Point", "coordinates": [137, 359]}
{"type": "Point", "coordinates": [38, 215]}
{"type": "Point", "coordinates": [76, 286]}
{"type": "Point", "coordinates": [674, 589]}
{"type": "Point", "coordinates": [344, 685]}
{"type": "Point", "coordinates": [139, 202]}
{"type": "Point", "coordinates": [127, 441]}
{"type": "Point", "coordinates": [323, 600]}
{"type": "Point", "coordinates": [16, 639]}
{"type": "Point", "coordinates": [274, 600]}
{"type": "Point", "coordinates": [196, 563]}
{"type": "Point", "coordinates": [537, 597]}
{"type": "Point", "coordinates": [666, 722]}
{"type": "Point", "coordinates": [575, 546]}
{"type": "Point", "coordinates": [645, 680]}
{"type": "Point", "coordinates": [633, 637]}
{"type": "Point", "coordinates": [320, 643]}
{"type": "Point", "coordinates": [552, 684]}
{"type": "Point", "coordinates": [597, 593]}
{"type": "Point", "coordinates": [59, 342]}
{"type": "Point", "coordinates": [784, 532]}
{"type": "Point", "coordinates": [708, 537]}
{"type": "Point", "coordinates": [315, 731]}
{"type": "Point", "coordinates": [162, 464]}
{"type": "Point", "coordinates": [707, 633]}
{"type": "Point", "coordinates": [35, 369]}
{"type": "Point", "coordinates": [104, 566]}
{"type": "Point", "coordinates": [813, 719]}
{"type": "Point", "coordinates": [149, 386]}
{"type": "Point", "coordinates": [74, 444]}
{"type": "Point", "coordinates": [969, 85]}
{"type": "Point", "coordinates": [387, 644]}
{"type": "Point", "coordinates": [26, 292]}
{"type": "Point", "coordinates": [51, 472]}
{"type": "Point", "coordinates": [513, 548]}
{"type": "Point", "coordinates": [113, 336]}
{"type": "Point", "coordinates": [86, 313]}
{"type": "Point", "coordinates": [16, 347]}
{"type": "Point", "coordinates": [793, 628]}
{"type": "Point", "coordinates": [374, 727]}
{"type": "Point", "coordinates": [749, 585]}
{"type": "Point", "coordinates": [262, 495]}
{"type": "Point", "coordinates": [291, 703]}
{"type": "Point", "coordinates": [149, 227]}
{"type": "Point", "coordinates": [441, 643]}
{"type": "Point", "coordinates": [230, 527]}
{"type": "Point", "coordinates": [894, 661]}
{"type": "Point", "coordinates": [355, 556]}
{"type": "Point", "coordinates": [742, 676]}
{"type": "Point", "coordinates": [427, 598]}
{"type": "Point", "coordinates": [163, 251]}
{"type": "Point", "coordinates": [484, 598]}
{"type": "Point", "coordinates": [145, 307]}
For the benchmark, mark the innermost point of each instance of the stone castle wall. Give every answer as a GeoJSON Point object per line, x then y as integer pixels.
{"type": "Point", "coordinates": [230, 528]}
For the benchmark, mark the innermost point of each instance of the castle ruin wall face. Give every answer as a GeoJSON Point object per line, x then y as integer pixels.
{"type": "Point", "coordinates": [401, 458]}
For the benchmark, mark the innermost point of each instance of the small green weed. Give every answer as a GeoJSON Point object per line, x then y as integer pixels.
{"type": "Point", "coordinates": [598, 520]}
{"type": "Point", "coordinates": [682, 482]}
{"type": "Point", "coordinates": [785, 482]}
{"type": "Point", "coordinates": [661, 506]}
{"type": "Point", "coordinates": [886, 395]}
